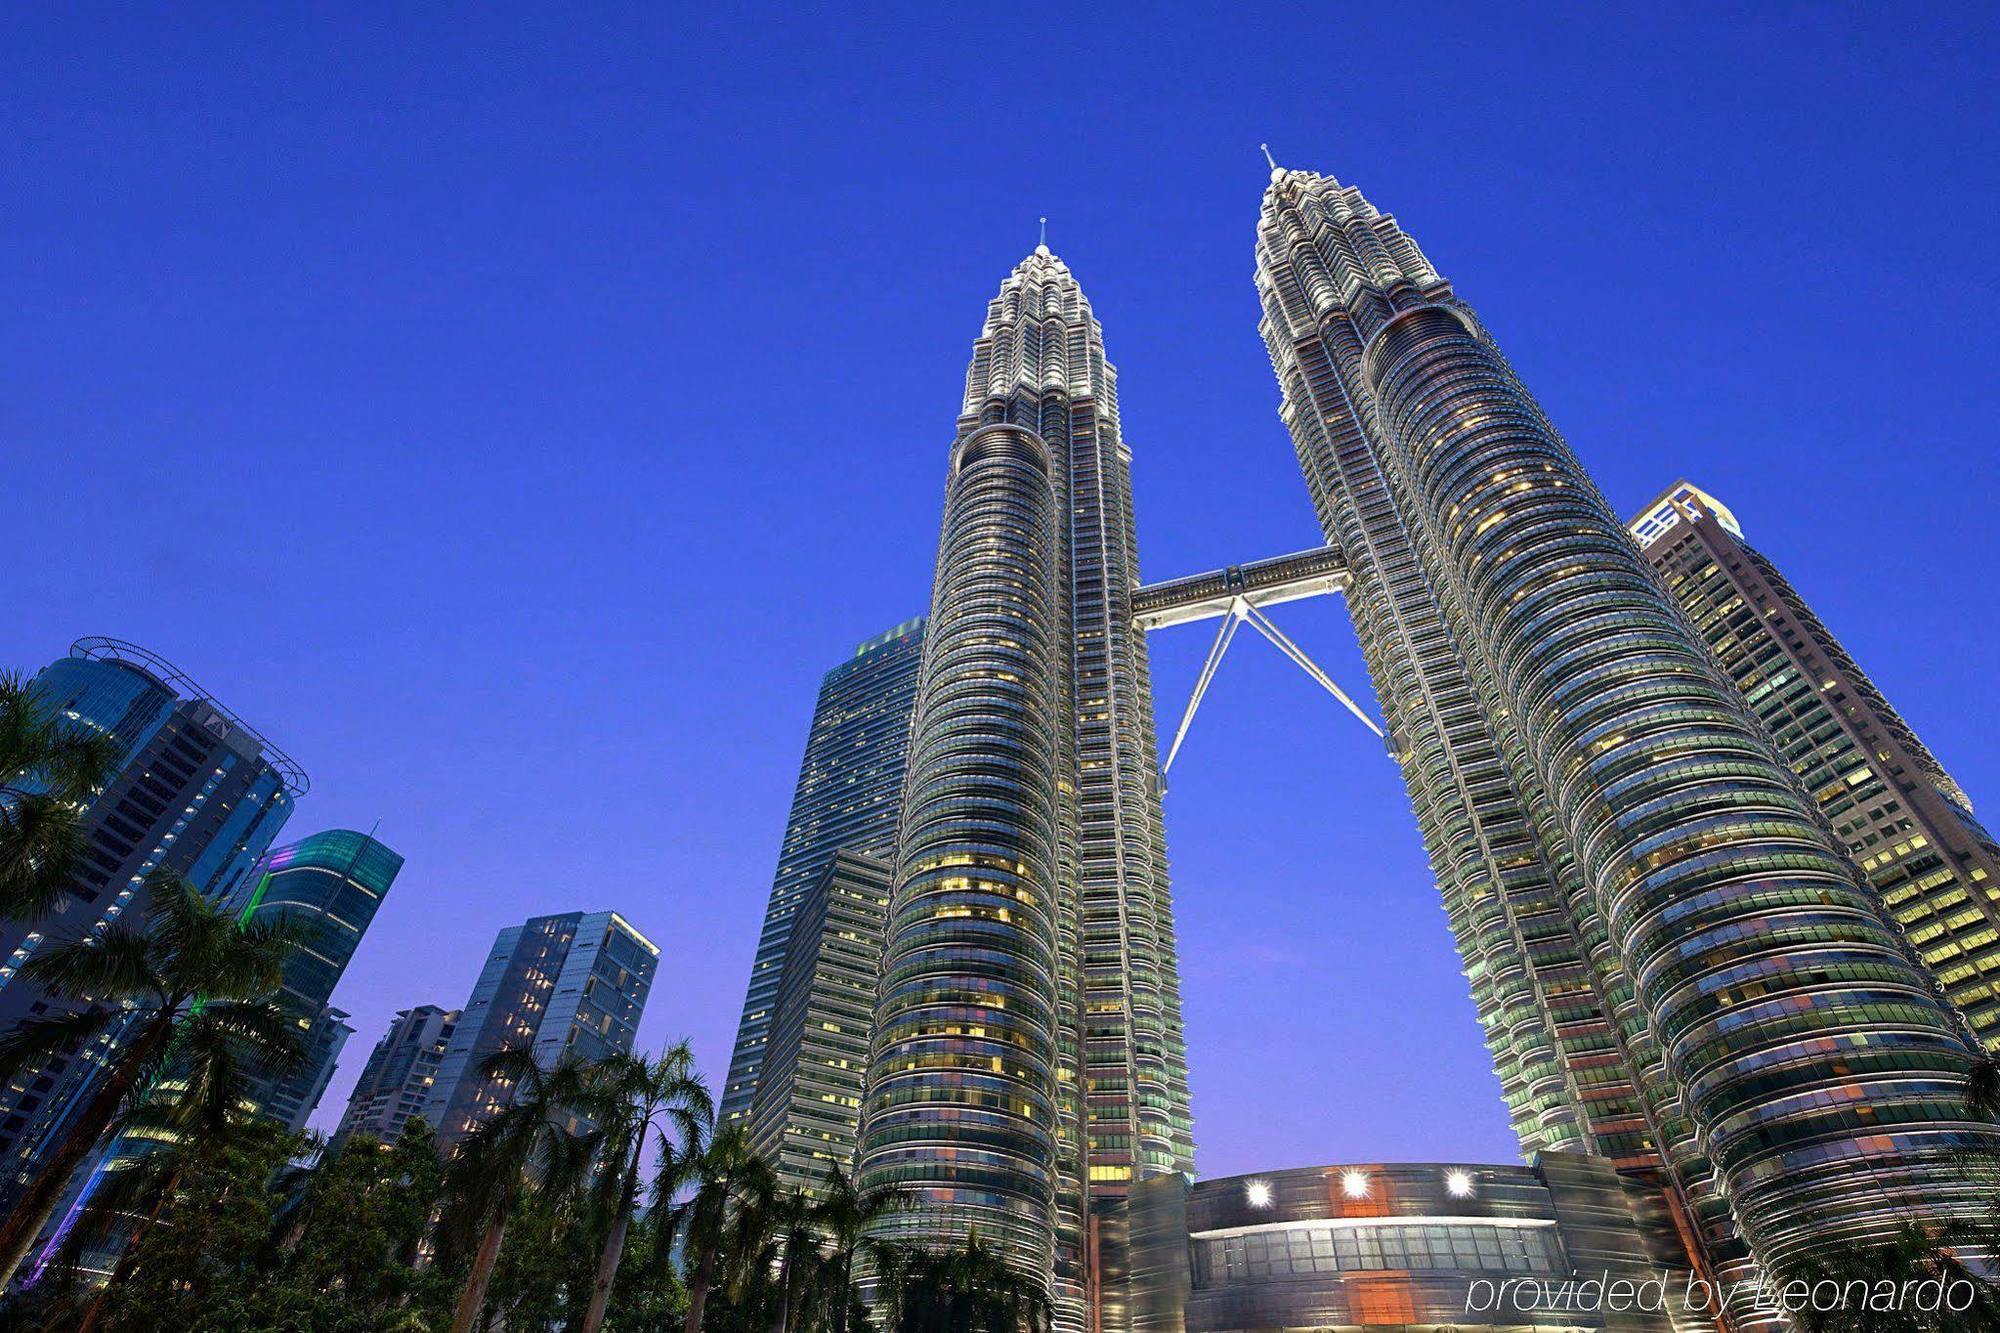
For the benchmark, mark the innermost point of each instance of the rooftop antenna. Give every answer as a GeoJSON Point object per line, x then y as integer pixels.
{"type": "Point", "coordinates": [1267, 156]}
{"type": "Point", "coordinates": [1042, 243]}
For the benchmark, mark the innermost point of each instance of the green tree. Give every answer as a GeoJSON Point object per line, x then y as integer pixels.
{"type": "Point", "coordinates": [191, 957]}
{"type": "Point", "coordinates": [48, 769]}
{"type": "Point", "coordinates": [348, 1259]}
{"type": "Point", "coordinates": [196, 1265]}
{"type": "Point", "coordinates": [542, 1277]}
{"type": "Point", "coordinates": [196, 1110]}
{"type": "Point", "coordinates": [1876, 1294]}
{"type": "Point", "coordinates": [649, 1295]}
{"type": "Point", "coordinates": [1874, 1280]}
{"type": "Point", "coordinates": [638, 1100]}
{"type": "Point", "coordinates": [798, 1273]}
{"type": "Point", "coordinates": [525, 1147]}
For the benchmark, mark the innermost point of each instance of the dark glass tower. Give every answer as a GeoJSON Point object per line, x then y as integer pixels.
{"type": "Point", "coordinates": [1888, 798]}
{"type": "Point", "coordinates": [196, 791]}
{"type": "Point", "coordinates": [850, 782]}
{"type": "Point", "coordinates": [1580, 763]}
{"type": "Point", "coordinates": [325, 890]}
{"type": "Point", "coordinates": [1029, 1062]}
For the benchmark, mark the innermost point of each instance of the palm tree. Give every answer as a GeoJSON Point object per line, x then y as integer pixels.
{"type": "Point", "coordinates": [47, 770]}
{"type": "Point", "coordinates": [642, 1099]}
{"type": "Point", "coordinates": [192, 956]}
{"type": "Point", "coordinates": [1982, 1088]}
{"type": "Point", "coordinates": [844, 1215]}
{"type": "Point", "coordinates": [789, 1220]}
{"type": "Point", "coordinates": [721, 1172]}
{"type": "Point", "coordinates": [1913, 1255]}
{"type": "Point", "coordinates": [525, 1141]}
{"type": "Point", "coordinates": [961, 1291]}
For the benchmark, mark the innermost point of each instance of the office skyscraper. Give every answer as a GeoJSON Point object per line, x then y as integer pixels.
{"type": "Point", "coordinates": [325, 890]}
{"type": "Point", "coordinates": [1028, 1061]}
{"type": "Point", "coordinates": [1889, 800]}
{"type": "Point", "coordinates": [808, 1106]}
{"type": "Point", "coordinates": [196, 791]}
{"type": "Point", "coordinates": [850, 782]}
{"type": "Point", "coordinates": [573, 984]}
{"type": "Point", "coordinates": [399, 1075]}
{"type": "Point", "coordinates": [1614, 837]}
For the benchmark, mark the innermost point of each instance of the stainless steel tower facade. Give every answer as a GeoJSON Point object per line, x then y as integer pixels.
{"type": "Point", "coordinates": [1620, 849]}
{"type": "Point", "coordinates": [1029, 1063]}
{"type": "Point", "coordinates": [962, 1092]}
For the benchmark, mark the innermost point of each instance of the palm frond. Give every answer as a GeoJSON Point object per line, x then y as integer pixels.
{"type": "Point", "coordinates": [1982, 1089]}
{"type": "Point", "coordinates": [114, 963]}
{"type": "Point", "coordinates": [248, 959]}
{"type": "Point", "coordinates": [41, 847]}
{"type": "Point", "coordinates": [263, 1032]}
{"type": "Point", "coordinates": [179, 922]}
{"type": "Point", "coordinates": [565, 1166]}
{"type": "Point", "coordinates": [33, 1038]}
{"type": "Point", "coordinates": [20, 726]}
{"type": "Point", "coordinates": [78, 762]}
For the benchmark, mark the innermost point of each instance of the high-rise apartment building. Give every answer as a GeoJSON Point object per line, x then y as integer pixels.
{"type": "Point", "coordinates": [1888, 798]}
{"type": "Point", "coordinates": [571, 984]}
{"type": "Point", "coordinates": [324, 890]}
{"type": "Point", "coordinates": [850, 782]}
{"type": "Point", "coordinates": [1646, 901]}
{"type": "Point", "coordinates": [399, 1075]}
{"type": "Point", "coordinates": [1028, 1062]}
{"type": "Point", "coordinates": [196, 791]}
{"type": "Point", "coordinates": [808, 1107]}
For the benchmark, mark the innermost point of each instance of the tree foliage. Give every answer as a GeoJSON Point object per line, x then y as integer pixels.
{"type": "Point", "coordinates": [48, 769]}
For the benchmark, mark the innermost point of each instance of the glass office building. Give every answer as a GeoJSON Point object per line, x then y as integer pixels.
{"type": "Point", "coordinates": [324, 890]}
{"type": "Point", "coordinates": [808, 1107]}
{"type": "Point", "coordinates": [571, 984]}
{"type": "Point", "coordinates": [1889, 800]}
{"type": "Point", "coordinates": [1029, 1063]}
{"type": "Point", "coordinates": [1644, 898]}
{"type": "Point", "coordinates": [196, 790]}
{"type": "Point", "coordinates": [850, 782]}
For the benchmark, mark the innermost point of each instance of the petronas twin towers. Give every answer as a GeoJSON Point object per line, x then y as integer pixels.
{"type": "Point", "coordinates": [1677, 963]}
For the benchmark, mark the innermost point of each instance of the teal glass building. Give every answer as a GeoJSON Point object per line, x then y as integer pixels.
{"type": "Point", "coordinates": [324, 890]}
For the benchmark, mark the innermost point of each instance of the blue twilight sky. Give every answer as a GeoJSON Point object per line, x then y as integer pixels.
{"type": "Point", "coordinates": [514, 410]}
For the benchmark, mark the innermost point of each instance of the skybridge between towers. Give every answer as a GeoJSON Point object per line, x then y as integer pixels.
{"type": "Point", "coordinates": [1238, 595]}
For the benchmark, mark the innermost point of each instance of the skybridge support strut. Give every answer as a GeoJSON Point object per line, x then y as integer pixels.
{"type": "Point", "coordinates": [1239, 611]}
